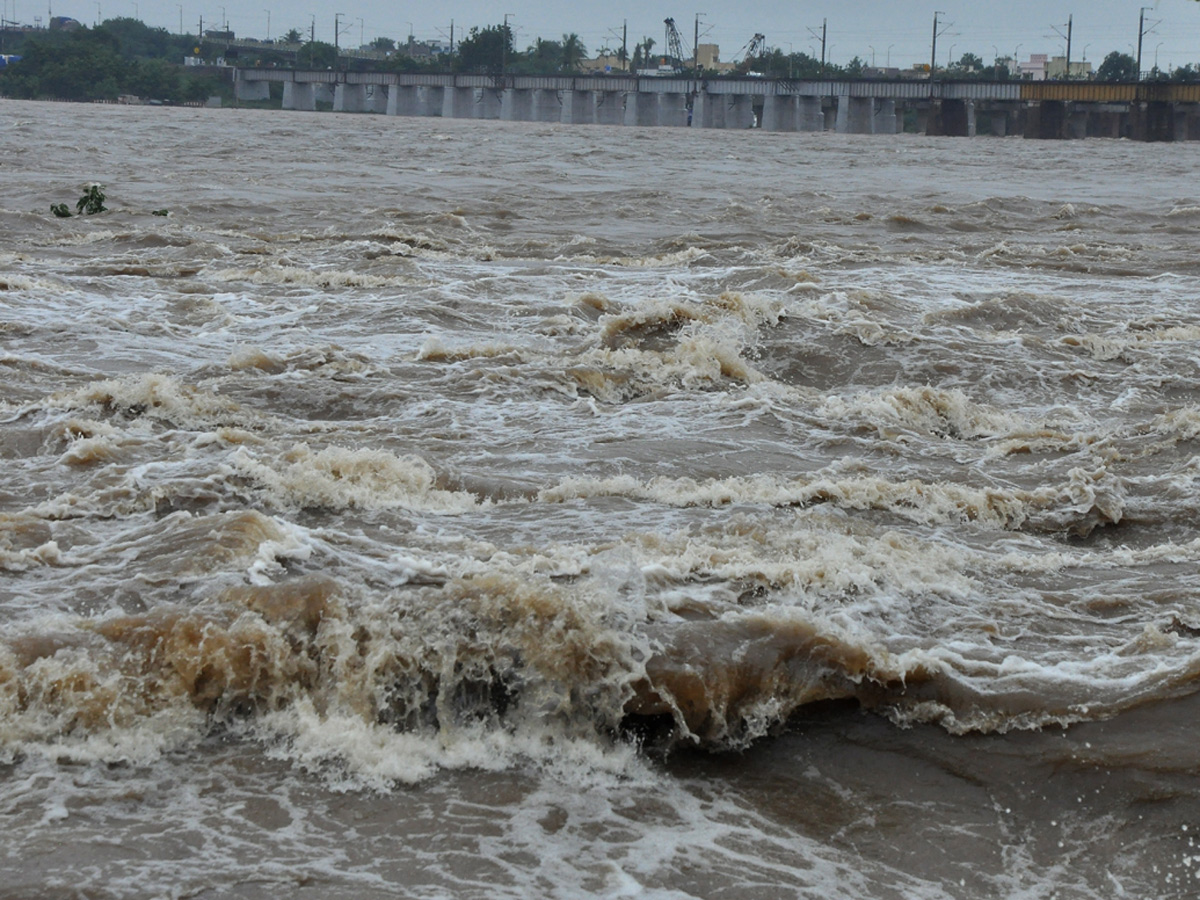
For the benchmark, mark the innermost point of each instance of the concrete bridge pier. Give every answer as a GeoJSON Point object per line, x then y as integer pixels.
{"type": "Point", "coordinates": [578, 108]}
{"type": "Point", "coordinates": [458, 103]}
{"type": "Point", "coordinates": [252, 90]}
{"type": "Point", "coordinates": [951, 118]}
{"type": "Point", "coordinates": [298, 95]}
{"type": "Point", "coordinates": [1046, 121]}
{"type": "Point", "coordinates": [1187, 122]}
{"type": "Point", "coordinates": [706, 110]}
{"type": "Point", "coordinates": [885, 117]}
{"type": "Point", "coordinates": [1107, 121]}
{"type": "Point", "coordinates": [672, 110]}
{"type": "Point", "coordinates": [516, 105]}
{"type": "Point", "coordinates": [1077, 123]}
{"type": "Point", "coordinates": [809, 115]}
{"type": "Point", "coordinates": [739, 111]}
{"type": "Point", "coordinates": [1152, 120]}
{"type": "Point", "coordinates": [855, 115]}
{"type": "Point", "coordinates": [402, 101]}
{"type": "Point", "coordinates": [999, 123]}
{"type": "Point", "coordinates": [780, 112]}
{"type": "Point", "coordinates": [377, 98]}
{"type": "Point", "coordinates": [430, 101]}
{"type": "Point", "coordinates": [546, 106]}
{"type": "Point", "coordinates": [349, 98]}
{"type": "Point", "coordinates": [641, 109]}
{"type": "Point", "coordinates": [323, 93]}
{"type": "Point", "coordinates": [489, 103]}
{"type": "Point", "coordinates": [608, 108]}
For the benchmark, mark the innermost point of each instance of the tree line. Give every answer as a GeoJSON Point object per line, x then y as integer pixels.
{"type": "Point", "coordinates": [121, 56]}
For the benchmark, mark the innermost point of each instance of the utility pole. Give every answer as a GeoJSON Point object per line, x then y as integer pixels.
{"type": "Point", "coordinates": [1067, 38]}
{"type": "Point", "coordinates": [451, 38]}
{"type": "Point", "coordinates": [1070, 28]}
{"type": "Point", "coordinates": [933, 53]}
{"type": "Point", "coordinates": [1142, 32]}
{"type": "Point", "coordinates": [625, 43]}
{"type": "Point", "coordinates": [824, 35]}
{"type": "Point", "coordinates": [696, 48]}
{"type": "Point", "coordinates": [824, 32]}
{"type": "Point", "coordinates": [504, 48]}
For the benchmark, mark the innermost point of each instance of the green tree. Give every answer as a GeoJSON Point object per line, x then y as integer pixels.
{"type": "Point", "coordinates": [541, 58]}
{"type": "Point", "coordinates": [573, 52]}
{"type": "Point", "coordinates": [970, 63]}
{"type": "Point", "coordinates": [293, 36]}
{"type": "Point", "coordinates": [1117, 66]}
{"type": "Point", "coordinates": [317, 55]}
{"type": "Point", "coordinates": [383, 43]}
{"type": "Point", "coordinates": [485, 50]}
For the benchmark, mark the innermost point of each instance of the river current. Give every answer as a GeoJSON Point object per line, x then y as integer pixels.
{"type": "Point", "coordinates": [431, 508]}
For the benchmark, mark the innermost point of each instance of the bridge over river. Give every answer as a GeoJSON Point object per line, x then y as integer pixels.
{"type": "Point", "coordinates": [1150, 111]}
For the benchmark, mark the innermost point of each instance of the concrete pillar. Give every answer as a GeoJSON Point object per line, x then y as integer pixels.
{"type": "Point", "coordinates": [705, 109]}
{"type": "Point", "coordinates": [972, 123]}
{"type": "Point", "coordinates": [377, 98]}
{"type": "Point", "coordinates": [780, 112]}
{"type": "Point", "coordinates": [856, 115]}
{"type": "Point", "coordinates": [252, 90]}
{"type": "Point", "coordinates": [1077, 123]}
{"type": "Point", "coordinates": [951, 118]}
{"type": "Point", "coordinates": [739, 112]}
{"type": "Point", "coordinates": [578, 108]}
{"type": "Point", "coordinates": [458, 103]}
{"type": "Point", "coordinates": [298, 95]}
{"type": "Point", "coordinates": [430, 101]}
{"type": "Point", "coordinates": [999, 122]}
{"type": "Point", "coordinates": [488, 103]}
{"type": "Point", "coordinates": [672, 110]}
{"type": "Point", "coordinates": [608, 108]}
{"type": "Point", "coordinates": [402, 101]}
{"type": "Point", "coordinates": [547, 106]}
{"type": "Point", "coordinates": [323, 93]}
{"type": "Point", "coordinates": [349, 98]}
{"type": "Point", "coordinates": [641, 109]}
{"type": "Point", "coordinates": [516, 105]}
{"type": "Point", "coordinates": [1046, 120]}
{"type": "Point", "coordinates": [809, 116]}
{"type": "Point", "coordinates": [1192, 126]}
{"type": "Point", "coordinates": [1153, 120]}
{"type": "Point", "coordinates": [885, 117]}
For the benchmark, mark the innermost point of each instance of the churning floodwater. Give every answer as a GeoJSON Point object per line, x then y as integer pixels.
{"type": "Point", "coordinates": [464, 509]}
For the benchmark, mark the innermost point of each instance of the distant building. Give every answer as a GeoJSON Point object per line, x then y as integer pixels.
{"type": "Point", "coordinates": [1035, 68]}
{"type": "Point", "coordinates": [63, 23]}
{"type": "Point", "coordinates": [1056, 68]}
{"type": "Point", "coordinates": [605, 62]}
{"type": "Point", "coordinates": [708, 56]}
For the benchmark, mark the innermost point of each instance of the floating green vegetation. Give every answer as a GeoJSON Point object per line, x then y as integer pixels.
{"type": "Point", "coordinates": [92, 201]}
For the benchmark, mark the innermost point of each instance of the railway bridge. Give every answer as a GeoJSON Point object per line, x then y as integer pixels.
{"type": "Point", "coordinates": [1148, 111]}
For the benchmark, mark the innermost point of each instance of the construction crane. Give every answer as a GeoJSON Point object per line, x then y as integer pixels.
{"type": "Point", "coordinates": [754, 49]}
{"type": "Point", "coordinates": [675, 47]}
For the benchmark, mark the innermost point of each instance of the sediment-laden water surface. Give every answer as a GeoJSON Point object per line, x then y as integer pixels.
{"type": "Point", "coordinates": [463, 509]}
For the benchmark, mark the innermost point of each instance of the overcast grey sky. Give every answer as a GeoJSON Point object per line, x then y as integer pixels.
{"type": "Point", "coordinates": [898, 31]}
